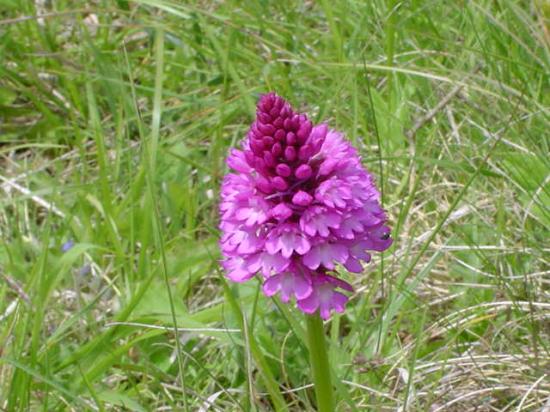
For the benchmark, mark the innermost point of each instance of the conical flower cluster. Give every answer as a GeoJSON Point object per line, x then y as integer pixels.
{"type": "Point", "coordinates": [298, 203]}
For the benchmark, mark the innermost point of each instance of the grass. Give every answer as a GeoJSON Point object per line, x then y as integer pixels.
{"type": "Point", "coordinates": [115, 119]}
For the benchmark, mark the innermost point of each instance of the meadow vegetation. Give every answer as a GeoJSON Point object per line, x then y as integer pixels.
{"type": "Point", "coordinates": [115, 119]}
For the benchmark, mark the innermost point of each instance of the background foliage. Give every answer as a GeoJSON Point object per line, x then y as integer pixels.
{"type": "Point", "coordinates": [115, 118]}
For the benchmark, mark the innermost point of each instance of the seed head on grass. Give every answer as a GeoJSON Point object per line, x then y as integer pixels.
{"type": "Point", "coordinates": [298, 204]}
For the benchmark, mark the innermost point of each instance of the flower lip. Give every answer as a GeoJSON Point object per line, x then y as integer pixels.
{"type": "Point", "coordinates": [288, 283]}
{"type": "Point", "coordinates": [287, 240]}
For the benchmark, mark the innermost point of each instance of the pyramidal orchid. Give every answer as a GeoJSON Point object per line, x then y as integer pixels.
{"type": "Point", "coordinates": [298, 204]}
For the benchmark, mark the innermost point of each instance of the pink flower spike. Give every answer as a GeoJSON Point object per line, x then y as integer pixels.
{"type": "Point", "coordinates": [297, 204]}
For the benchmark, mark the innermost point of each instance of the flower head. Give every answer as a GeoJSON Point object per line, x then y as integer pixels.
{"type": "Point", "coordinates": [298, 203]}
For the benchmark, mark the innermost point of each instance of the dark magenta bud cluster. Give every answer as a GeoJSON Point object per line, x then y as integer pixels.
{"type": "Point", "coordinates": [279, 149]}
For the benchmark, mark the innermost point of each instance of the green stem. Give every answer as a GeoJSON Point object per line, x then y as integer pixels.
{"type": "Point", "coordinates": [319, 362]}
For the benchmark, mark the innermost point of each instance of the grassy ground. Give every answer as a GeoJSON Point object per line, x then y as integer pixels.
{"type": "Point", "coordinates": [115, 119]}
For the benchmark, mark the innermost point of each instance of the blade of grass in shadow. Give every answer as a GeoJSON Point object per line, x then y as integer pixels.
{"type": "Point", "coordinates": [412, 363]}
{"type": "Point", "coordinates": [105, 191]}
{"type": "Point", "coordinates": [46, 380]}
{"type": "Point", "coordinates": [269, 380]}
{"type": "Point", "coordinates": [380, 168]}
{"type": "Point", "coordinates": [92, 391]}
{"type": "Point", "coordinates": [150, 154]}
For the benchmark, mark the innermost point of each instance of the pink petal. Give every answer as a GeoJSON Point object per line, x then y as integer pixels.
{"type": "Point", "coordinates": [243, 213]}
{"type": "Point", "coordinates": [287, 286]}
{"type": "Point", "coordinates": [353, 265]}
{"type": "Point", "coordinates": [277, 262]}
{"type": "Point", "coordinates": [272, 285]}
{"type": "Point", "coordinates": [237, 161]}
{"type": "Point", "coordinates": [302, 288]}
{"type": "Point", "coordinates": [342, 284]}
{"type": "Point", "coordinates": [339, 253]}
{"type": "Point", "coordinates": [255, 217]}
{"type": "Point", "coordinates": [324, 310]}
{"type": "Point", "coordinates": [339, 301]}
{"type": "Point", "coordinates": [322, 228]}
{"type": "Point", "coordinates": [267, 263]}
{"type": "Point", "coordinates": [286, 245]}
{"type": "Point", "coordinates": [332, 219]}
{"type": "Point", "coordinates": [239, 275]}
{"type": "Point", "coordinates": [237, 271]}
{"type": "Point", "coordinates": [318, 135]}
{"type": "Point", "coordinates": [327, 167]}
{"type": "Point", "coordinates": [272, 245]}
{"type": "Point", "coordinates": [312, 259]}
{"type": "Point", "coordinates": [249, 242]}
{"type": "Point", "coordinates": [378, 244]}
{"type": "Point", "coordinates": [332, 252]}
{"type": "Point", "coordinates": [302, 245]}
{"type": "Point", "coordinates": [310, 304]}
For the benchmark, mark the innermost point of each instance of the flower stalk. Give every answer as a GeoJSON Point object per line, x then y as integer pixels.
{"type": "Point", "coordinates": [319, 363]}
